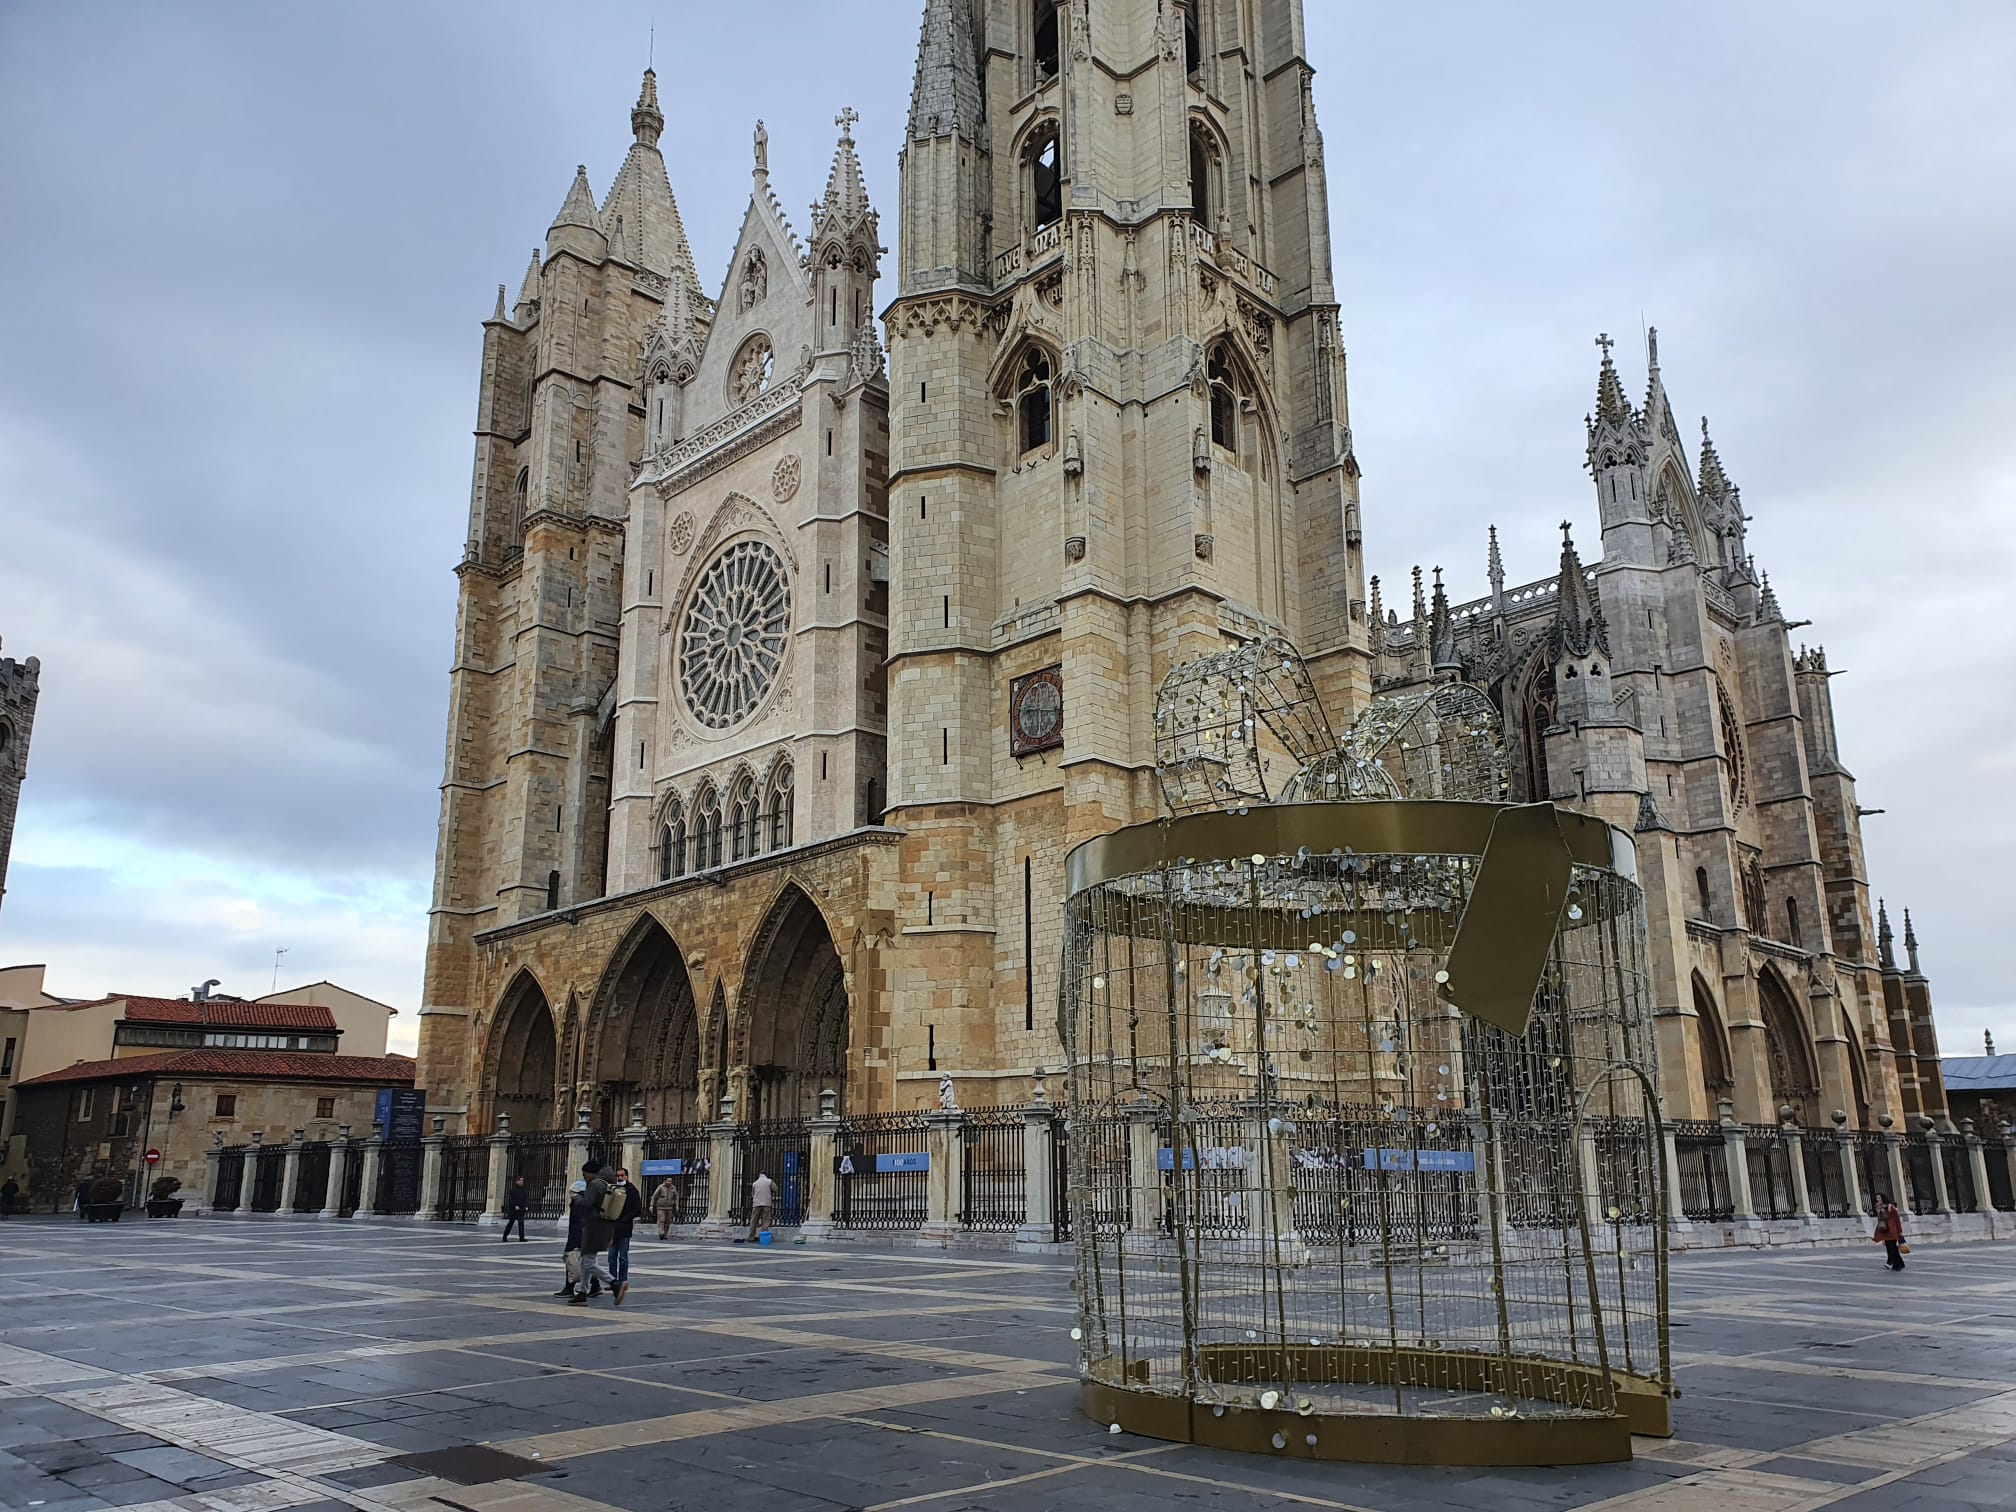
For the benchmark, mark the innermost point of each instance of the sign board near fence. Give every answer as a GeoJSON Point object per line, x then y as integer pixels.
{"type": "Point", "coordinates": [1460, 1162]}
{"type": "Point", "coordinates": [904, 1160]}
{"type": "Point", "coordinates": [400, 1112]}
{"type": "Point", "coordinates": [661, 1168]}
{"type": "Point", "coordinates": [1228, 1158]}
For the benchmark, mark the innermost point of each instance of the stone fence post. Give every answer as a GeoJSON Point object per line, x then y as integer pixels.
{"type": "Point", "coordinates": [341, 1153]}
{"type": "Point", "coordinates": [1669, 1151]}
{"type": "Point", "coordinates": [720, 1171]}
{"type": "Point", "coordinates": [248, 1179]}
{"type": "Point", "coordinates": [1144, 1171]}
{"type": "Point", "coordinates": [945, 1186]}
{"type": "Point", "coordinates": [1977, 1165]}
{"type": "Point", "coordinates": [1795, 1158]}
{"type": "Point", "coordinates": [1039, 1173]}
{"type": "Point", "coordinates": [213, 1159]}
{"type": "Point", "coordinates": [1893, 1164]}
{"type": "Point", "coordinates": [1942, 1201]}
{"type": "Point", "coordinates": [823, 1137]}
{"type": "Point", "coordinates": [431, 1149]}
{"type": "Point", "coordinates": [499, 1176]}
{"type": "Point", "coordinates": [633, 1147]}
{"type": "Point", "coordinates": [1736, 1153]}
{"type": "Point", "coordinates": [374, 1155]}
{"type": "Point", "coordinates": [290, 1172]}
{"type": "Point", "coordinates": [577, 1157]}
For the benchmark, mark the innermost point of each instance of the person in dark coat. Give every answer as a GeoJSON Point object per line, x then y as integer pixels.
{"type": "Point", "coordinates": [626, 1227]}
{"type": "Point", "coordinates": [572, 1257]}
{"type": "Point", "coordinates": [1890, 1232]}
{"type": "Point", "coordinates": [598, 1232]}
{"type": "Point", "coordinates": [84, 1198]}
{"type": "Point", "coordinates": [516, 1200]}
{"type": "Point", "coordinates": [10, 1189]}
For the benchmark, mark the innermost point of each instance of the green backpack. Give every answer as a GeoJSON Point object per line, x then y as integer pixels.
{"type": "Point", "coordinates": [613, 1200]}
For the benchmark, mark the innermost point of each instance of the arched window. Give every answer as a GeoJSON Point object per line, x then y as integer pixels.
{"type": "Point", "coordinates": [1792, 922]}
{"type": "Point", "coordinates": [745, 832]}
{"type": "Point", "coordinates": [1224, 398]}
{"type": "Point", "coordinates": [753, 369]}
{"type": "Point", "coordinates": [1044, 46]}
{"type": "Point", "coordinates": [706, 829]}
{"type": "Point", "coordinates": [1701, 890]}
{"type": "Point", "coordinates": [672, 844]}
{"type": "Point", "coordinates": [780, 808]}
{"type": "Point", "coordinates": [1200, 178]}
{"type": "Point", "coordinates": [1032, 400]}
{"type": "Point", "coordinates": [552, 891]}
{"type": "Point", "coordinates": [519, 495]}
{"type": "Point", "coordinates": [871, 805]}
{"type": "Point", "coordinates": [661, 381]}
{"type": "Point", "coordinates": [1193, 47]}
{"type": "Point", "coordinates": [1046, 179]}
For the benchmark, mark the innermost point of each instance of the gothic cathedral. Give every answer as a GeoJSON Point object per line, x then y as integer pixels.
{"type": "Point", "coordinates": [783, 684]}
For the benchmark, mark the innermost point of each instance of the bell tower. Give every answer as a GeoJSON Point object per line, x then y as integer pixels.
{"type": "Point", "coordinates": [1121, 439]}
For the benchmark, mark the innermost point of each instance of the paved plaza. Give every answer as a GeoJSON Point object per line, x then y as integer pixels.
{"type": "Point", "coordinates": [228, 1365]}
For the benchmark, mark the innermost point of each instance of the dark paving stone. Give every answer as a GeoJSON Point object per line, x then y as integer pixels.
{"type": "Point", "coordinates": [471, 1465]}
{"type": "Point", "coordinates": [1822, 1470]}
{"type": "Point", "coordinates": [364, 1477]}
{"type": "Point", "coordinates": [172, 1464]}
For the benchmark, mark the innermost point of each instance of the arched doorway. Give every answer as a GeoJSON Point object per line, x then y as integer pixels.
{"type": "Point", "coordinates": [1794, 1077]}
{"type": "Point", "coordinates": [1715, 1078]}
{"type": "Point", "coordinates": [793, 1013]}
{"type": "Point", "coordinates": [643, 1035]}
{"type": "Point", "coordinates": [523, 1058]}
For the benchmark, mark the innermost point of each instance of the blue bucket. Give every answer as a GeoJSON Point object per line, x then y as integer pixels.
{"type": "Point", "coordinates": [763, 1238]}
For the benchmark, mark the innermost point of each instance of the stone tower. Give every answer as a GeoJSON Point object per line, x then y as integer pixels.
{"type": "Point", "coordinates": [1120, 440]}
{"type": "Point", "coordinates": [20, 685]}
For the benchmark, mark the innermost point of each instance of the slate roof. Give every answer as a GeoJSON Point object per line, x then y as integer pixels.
{"type": "Point", "coordinates": [241, 1065]}
{"type": "Point", "coordinates": [1969, 1073]}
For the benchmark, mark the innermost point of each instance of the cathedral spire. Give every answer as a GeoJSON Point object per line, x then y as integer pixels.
{"type": "Point", "coordinates": [1910, 947]}
{"type": "Point", "coordinates": [1612, 407]}
{"type": "Point", "coordinates": [1768, 611]}
{"type": "Point", "coordinates": [1713, 482]}
{"type": "Point", "coordinates": [578, 208]}
{"type": "Point", "coordinates": [646, 122]}
{"type": "Point", "coordinates": [528, 291]}
{"type": "Point", "coordinates": [1376, 627]}
{"type": "Point", "coordinates": [1494, 568]}
{"type": "Point", "coordinates": [945, 99]}
{"type": "Point", "coordinates": [845, 205]}
{"type": "Point", "coordinates": [498, 313]}
{"type": "Point", "coordinates": [1886, 950]}
{"type": "Point", "coordinates": [1441, 630]}
{"type": "Point", "coordinates": [1578, 618]}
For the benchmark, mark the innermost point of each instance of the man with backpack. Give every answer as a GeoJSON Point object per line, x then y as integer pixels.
{"type": "Point", "coordinates": [600, 1204]}
{"type": "Point", "coordinates": [626, 1225]}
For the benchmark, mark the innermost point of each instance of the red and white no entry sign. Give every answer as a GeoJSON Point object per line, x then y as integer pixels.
{"type": "Point", "coordinates": [153, 1157]}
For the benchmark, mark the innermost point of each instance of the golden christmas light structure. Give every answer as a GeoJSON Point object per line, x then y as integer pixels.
{"type": "Point", "coordinates": [1363, 1123]}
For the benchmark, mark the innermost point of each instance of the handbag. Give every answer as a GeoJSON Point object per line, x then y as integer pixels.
{"type": "Point", "coordinates": [1903, 1248]}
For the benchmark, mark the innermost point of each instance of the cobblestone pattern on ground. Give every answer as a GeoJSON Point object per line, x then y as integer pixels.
{"type": "Point", "coordinates": [220, 1366]}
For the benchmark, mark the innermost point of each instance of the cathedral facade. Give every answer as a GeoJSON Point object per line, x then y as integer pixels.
{"type": "Point", "coordinates": [786, 675]}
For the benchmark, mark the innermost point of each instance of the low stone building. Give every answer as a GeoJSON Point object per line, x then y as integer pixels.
{"type": "Point", "coordinates": [101, 1117]}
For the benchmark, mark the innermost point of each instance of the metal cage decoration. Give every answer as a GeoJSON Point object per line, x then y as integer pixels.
{"type": "Point", "coordinates": [1364, 1134]}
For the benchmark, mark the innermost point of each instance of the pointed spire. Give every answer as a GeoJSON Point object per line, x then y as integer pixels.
{"type": "Point", "coordinates": [1886, 951]}
{"type": "Point", "coordinates": [1713, 482]}
{"type": "Point", "coordinates": [578, 209]}
{"type": "Point", "coordinates": [1441, 630]}
{"type": "Point", "coordinates": [528, 292]}
{"type": "Point", "coordinates": [846, 202]}
{"type": "Point", "coordinates": [1768, 611]}
{"type": "Point", "coordinates": [945, 99]}
{"type": "Point", "coordinates": [1611, 405]}
{"type": "Point", "coordinates": [1910, 946]}
{"type": "Point", "coordinates": [1377, 626]}
{"type": "Point", "coordinates": [1578, 618]}
{"type": "Point", "coordinates": [1420, 601]}
{"type": "Point", "coordinates": [645, 119]}
{"type": "Point", "coordinates": [498, 313]}
{"type": "Point", "coordinates": [1494, 566]}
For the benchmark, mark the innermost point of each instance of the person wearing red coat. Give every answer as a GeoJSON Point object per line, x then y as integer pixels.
{"type": "Point", "coordinates": [1890, 1231]}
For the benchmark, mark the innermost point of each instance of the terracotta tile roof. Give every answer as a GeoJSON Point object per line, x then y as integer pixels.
{"type": "Point", "coordinates": [246, 1065]}
{"type": "Point", "coordinates": [215, 1013]}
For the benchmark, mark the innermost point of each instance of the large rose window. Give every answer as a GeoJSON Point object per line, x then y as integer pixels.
{"type": "Point", "coordinates": [732, 638]}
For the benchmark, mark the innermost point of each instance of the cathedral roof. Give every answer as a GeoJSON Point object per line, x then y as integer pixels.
{"type": "Point", "coordinates": [945, 99]}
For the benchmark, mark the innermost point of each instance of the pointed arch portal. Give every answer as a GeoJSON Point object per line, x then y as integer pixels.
{"type": "Point", "coordinates": [644, 1035]}
{"type": "Point", "coordinates": [793, 1011]}
{"type": "Point", "coordinates": [524, 1064]}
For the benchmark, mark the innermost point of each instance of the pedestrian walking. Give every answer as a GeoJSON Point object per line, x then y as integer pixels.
{"type": "Point", "coordinates": [84, 1198]}
{"type": "Point", "coordinates": [516, 1200]}
{"type": "Point", "coordinates": [9, 1190]}
{"type": "Point", "coordinates": [762, 1199]}
{"type": "Point", "coordinates": [1890, 1232]}
{"type": "Point", "coordinates": [600, 1204]}
{"type": "Point", "coordinates": [571, 1258]}
{"type": "Point", "coordinates": [626, 1226]}
{"type": "Point", "coordinates": [665, 1204]}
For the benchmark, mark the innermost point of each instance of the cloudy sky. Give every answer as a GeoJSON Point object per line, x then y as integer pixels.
{"type": "Point", "coordinates": [251, 245]}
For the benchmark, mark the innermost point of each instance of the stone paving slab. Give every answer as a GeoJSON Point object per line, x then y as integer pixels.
{"type": "Point", "coordinates": [262, 1366]}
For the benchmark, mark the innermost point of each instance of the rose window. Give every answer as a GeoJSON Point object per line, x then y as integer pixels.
{"type": "Point", "coordinates": [731, 642]}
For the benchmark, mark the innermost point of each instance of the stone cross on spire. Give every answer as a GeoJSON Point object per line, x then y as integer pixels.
{"type": "Point", "coordinates": [845, 121]}
{"type": "Point", "coordinates": [1603, 340]}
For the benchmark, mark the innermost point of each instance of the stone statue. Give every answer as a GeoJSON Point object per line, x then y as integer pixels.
{"type": "Point", "coordinates": [762, 149]}
{"type": "Point", "coordinates": [945, 1102]}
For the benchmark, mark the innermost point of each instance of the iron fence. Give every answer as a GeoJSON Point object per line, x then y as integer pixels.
{"type": "Point", "coordinates": [993, 1171]}
{"type": "Point", "coordinates": [1060, 1178]}
{"type": "Point", "coordinates": [781, 1150]}
{"type": "Point", "coordinates": [268, 1171]}
{"type": "Point", "coordinates": [1627, 1169]}
{"type": "Point", "coordinates": [1099, 1194]}
{"type": "Point", "coordinates": [1872, 1168]}
{"type": "Point", "coordinates": [2001, 1191]}
{"type": "Point", "coordinates": [1959, 1167]}
{"type": "Point", "coordinates": [690, 1146]}
{"type": "Point", "coordinates": [465, 1178]}
{"type": "Point", "coordinates": [1200, 1169]}
{"type": "Point", "coordinates": [542, 1160]}
{"type": "Point", "coordinates": [1700, 1151]}
{"type": "Point", "coordinates": [230, 1179]}
{"type": "Point", "coordinates": [352, 1190]}
{"type": "Point", "coordinates": [1826, 1182]}
{"type": "Point", "coordinates": [311, 1176]}
{"type": "Point", "coordinates": [398, 1177]}
{"type": "Point", "coordinates": [1918, 1158]}
{"type": "Point", "coordinates": [881, 1171]}
{"type": "Point", "coordinates": [1769, 1160]}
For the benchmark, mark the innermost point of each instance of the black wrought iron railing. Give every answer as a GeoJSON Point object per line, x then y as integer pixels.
{"type": "Point", "coordinates": [269, 1170]}
{"type": "Point", "coordinates": [399, 1163]}
{"type": "Point", "coordinates": [691, 1147]}
{"type": "Point", "coordinates": [881, 1171]}
{"type": "Point", "coordinates": [1701, 1153]}
{"type": "Point", "coordinates": [230, 1179]}
{"type": "Point", "coordinates": [465, 1178]}
{"type": "Point", "coordinates": [1769, 1158]}
{"type": "Point", "coordinates": [780, 1150]}
{"type": "Point", "coordinates": [1826, 1180]}
{"type": "Point", "coordinates": [311, 1176]}
{"type": "Point", "coordinates": [993, 1174]}
{"type": "Point", "coordinates": [542, 1160]}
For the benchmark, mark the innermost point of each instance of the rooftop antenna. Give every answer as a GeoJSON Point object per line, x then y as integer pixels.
{"type": "Point", "coordinates": [277, 954]}
{"type": "Point", "coordinates": [651, 46]}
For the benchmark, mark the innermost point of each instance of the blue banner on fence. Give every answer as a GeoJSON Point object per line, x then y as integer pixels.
{"type": "Point", "coordinates": [1228, 1158]}
{"type": "Point", "coordinates": [908, 1160]}
{"type": "Point", "coordinates": [1460, 1161]}
{"type": "Point", "coordinates": [662, 1168]}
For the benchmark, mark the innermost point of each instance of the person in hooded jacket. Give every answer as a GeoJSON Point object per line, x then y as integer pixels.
{"type": "Point", "coordinates": [572, 1256]}
{"type": "Point", "coordinates": [598, 1232]}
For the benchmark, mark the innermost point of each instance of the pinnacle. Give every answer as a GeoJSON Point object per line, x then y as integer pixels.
{"type": "Point", "coordinates": [945, 99]}
{"type": "Point", "coordinates": [1713, 481]}
{"type": "Point", "coordinates": [1611, 405]}
{"type": "Point", "coordinates": [578, 209]}
{"type": "Point", "coordinates": [846, 200]}
{"type": "Point", "coordinates": [645, 118]}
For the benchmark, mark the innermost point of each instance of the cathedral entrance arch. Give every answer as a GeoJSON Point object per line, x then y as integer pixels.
{"type": "Point", "coordinates": [643, 1040]}
{"type": "Point", "coordinates": [792, 1030]}
{"type": "Point", "coordinates": [524, 1060]}
{"type": "Point", "coordinates": [1715, 1078]}
{"type": "Point", "coordinates": [1795, 1079]}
